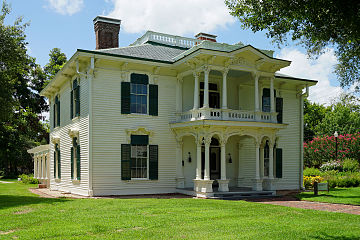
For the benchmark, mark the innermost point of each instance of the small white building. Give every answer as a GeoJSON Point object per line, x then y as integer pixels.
{"type": "Point", "coordinates": [41, 163]}
{"type": "Point", "coordinates": [174, 114]}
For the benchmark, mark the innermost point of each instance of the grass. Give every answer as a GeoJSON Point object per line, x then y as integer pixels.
{"type": "Point", "coordinates": [26, 216]}
{"type": "Point", "coordinates": [337, 195]}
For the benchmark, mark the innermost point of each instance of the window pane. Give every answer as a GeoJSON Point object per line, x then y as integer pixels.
{"type": "Point", "coordinates": [143, 109]}
{"type": "Point", "coordinates": [133, 152]}
{"type": "Point", "coordinates": [141, 151]}
{"type": "Point", "coordinates": [144, 89]}
{"type": "Point", "coordinates": [132, 88]}
{"type": "Point", "coordinates": [143, 99]}
{"type": "Point", "coordinates": [133, 108]}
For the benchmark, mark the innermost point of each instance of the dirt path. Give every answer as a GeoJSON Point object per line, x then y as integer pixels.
{"type": "Point", "coordinates": [5, 182]}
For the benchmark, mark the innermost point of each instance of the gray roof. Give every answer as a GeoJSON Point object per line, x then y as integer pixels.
{"type": "Point", "coordinates": [147, 51]}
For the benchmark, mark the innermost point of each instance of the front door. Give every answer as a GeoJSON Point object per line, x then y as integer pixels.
{"type": "Point", "coordinates": [214, 164]}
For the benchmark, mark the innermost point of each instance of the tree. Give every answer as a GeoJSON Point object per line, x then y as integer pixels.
{"type": "Point", "coordinates": [313, 115]}
{"type": "Point", "coordinates": [21, 105]}
{"type": "Point", "coordinates": [56, 62]}
{"type": "Point", "coordinates": [314, 24]}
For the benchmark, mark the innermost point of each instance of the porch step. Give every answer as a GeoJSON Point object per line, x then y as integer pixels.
{"type": "Point", "coordinates": [243, 195]}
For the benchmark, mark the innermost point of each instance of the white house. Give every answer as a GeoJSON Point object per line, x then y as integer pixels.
{"type": "Point", "coordinates": [174, 114]}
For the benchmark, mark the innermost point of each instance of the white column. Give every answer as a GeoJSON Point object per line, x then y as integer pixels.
{"type": "Point", "coordinates": [207, 160]}
{"type": "Point", "coordinates": [35, 166]}
{"type": "Point", "coordinates": [223, 160]}
{"type": "Point", "coordinates": [196, 90]}
{"type": "Point", "coordinates": [179, 95]}
{"type": "Point", "coordinates": [262, 167]}
{"type": "Point", "coordinates": [224, 89]}
{"type": "Point", "coordinates": [179, 169]}
{"type": "Point", "coordinates": [256, 91]}
{"type": "Point", "coordinates": [257, 159]}
{"type": "Point", "coordinates": [272, 102]}
{"type": "Point", "coordinates": [271, 160]}
{"type": "Point", "coordinates": [42, 166]}
{"type": "Point", "coordinates": [206, 86]}
{"type": "Point", "coordinates": [198, 159]}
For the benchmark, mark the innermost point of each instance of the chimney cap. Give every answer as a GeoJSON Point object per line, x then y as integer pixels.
{"type": "Point", "coordinates": [107, 20]}
{"type": "Point", "coordinates": [207, 35]}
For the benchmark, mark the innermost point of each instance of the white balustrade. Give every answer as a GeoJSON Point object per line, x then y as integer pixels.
{"type": "Point", "coordinates": [223, 114]}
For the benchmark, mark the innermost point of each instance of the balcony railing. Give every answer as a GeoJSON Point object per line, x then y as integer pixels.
{"type": "Point", "coordinates": [227, 115]}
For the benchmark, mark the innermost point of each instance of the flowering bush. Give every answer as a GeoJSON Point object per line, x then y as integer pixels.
{"type": "Point", "coordinates": [331, 165]}
{"type": "Point", "coordinates": [309, 181]}
{"type": "Point", "coordinates": [323, 149]}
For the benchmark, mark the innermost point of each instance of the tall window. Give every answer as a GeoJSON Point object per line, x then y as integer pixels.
{"type": "Point", "coordinates": [138, 96]}
{"type": "Point", "coordinates": [75, 160]}
{"type": "Point", "coordinates": [214, 95]}
{"type": "Point", "coordinates": [75, 100]}
{"type": "Point", "coordinates": [56, 112]}
{"type": "Point", "coordinates": [266, 159]}
{"type": "Point", "coordinates": [139, 160]}
{"type": "Point", "coordinates": [57, 162]}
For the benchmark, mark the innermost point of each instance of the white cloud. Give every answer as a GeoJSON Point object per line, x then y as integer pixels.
{"type": "Point", "coordinates": [66, 7]}
{"type": "Point", "coordinates": [171, 16]}
{"type": "Point", "coordinates": [320, 69]}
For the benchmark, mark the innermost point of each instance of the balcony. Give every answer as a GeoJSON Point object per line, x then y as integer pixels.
{"type": "Point", "coordinates": [226, 115]}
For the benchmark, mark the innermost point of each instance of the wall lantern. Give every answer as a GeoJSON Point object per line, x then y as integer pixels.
{"type": "Point", "coordinates": [230, 160]}
{"type": "Point", "coordinates": [189, 158]}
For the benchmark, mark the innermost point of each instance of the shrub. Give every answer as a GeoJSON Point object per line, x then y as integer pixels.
{"type": "Point", "coordinates": [331, 165]}
{"type": "Point", "coordinates": [311, 172]}
{"type": "Point", "coordinates": [350, 165]}
{"type": "Point", "coordinates": [309, 181]}
{"type": "Point", "coordinates": [343, 180]}
{"type": "Point", "coordinates": [323, 149]}
{"type": "Point", "coordinates": [28, 179]}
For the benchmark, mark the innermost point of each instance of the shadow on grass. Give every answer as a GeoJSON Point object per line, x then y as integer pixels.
{"type": "Point", "coordinates": [326, 236]}
{"type": "Point", "coordinates": [9, 201]}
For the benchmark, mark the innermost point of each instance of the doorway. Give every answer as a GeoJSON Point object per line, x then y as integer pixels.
{"type": "Point", "coordinates": [214, 95]}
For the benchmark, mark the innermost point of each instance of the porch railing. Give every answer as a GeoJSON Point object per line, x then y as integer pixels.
{"type": "Point", "coordinates": [226, 114]}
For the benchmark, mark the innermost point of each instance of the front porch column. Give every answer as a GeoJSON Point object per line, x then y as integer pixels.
{"type": "Point", "coordinates": [256, 91]}
{"type": "Point", "coordinates": [272, 100]}
{"type": "Point", "coordinates": [35, 166]}
{"type": "Point", "coordinates": [196, 90]}
{"type": "Point", "coordinates": [43, 166]}
{"type": "Point", "coordinates": [223, 181]}
{"type": "Point", "coordinates": [180, 180]}
{"type": "Point", "coordinates": [224, 89]}
{"type": "Point", "coordinates": [258, 182]}
{"type": "Point", "coordinates": [179, 95]}
{"type": "Point", "coordinates": [271, 160]}
{"type": "Point", "coordinates": [206, 86]}
{"type": "Point", "coordinates": [198, 159]}
{"type": "Point", "coordinates": [207, 160]}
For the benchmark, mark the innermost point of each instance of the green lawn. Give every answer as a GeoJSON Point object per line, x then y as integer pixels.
{"type": "Point", "coordinates": [27, 216]}
{"type": "Point", "coordinates": [337, 195]}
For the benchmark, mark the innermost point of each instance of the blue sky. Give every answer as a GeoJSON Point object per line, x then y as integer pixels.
{"type": "Point", "coordinates": [67, 24]}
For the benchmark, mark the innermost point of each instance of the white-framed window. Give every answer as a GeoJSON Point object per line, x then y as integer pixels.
{"type": "Point", "coordinates": [139, 161]}
{"type": "Point", "coordinates": [75, 160]}
{"type": "Point", "coordinates": [57, 162]}
{"type": "Point", "coordinates": [75, 99]}
{"type": "Point", "coordinates": [138, 98]}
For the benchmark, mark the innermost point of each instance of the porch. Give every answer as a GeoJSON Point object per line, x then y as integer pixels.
{"type": "Point", "coordinates": [234, 193]}
{"type": "Point", "coordinates": [226, 160]}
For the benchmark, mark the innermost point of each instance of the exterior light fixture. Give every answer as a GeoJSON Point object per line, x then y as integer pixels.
{"type": "Point", "coordinates": [336, 135]}
{"type": "Point", "coordinates": [189, 158]}
{"type": "Point", "coordinates": [230, 160]}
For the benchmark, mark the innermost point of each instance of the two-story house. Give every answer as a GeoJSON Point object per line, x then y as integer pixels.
{"type": "Point", "coordinates": [174, 114]}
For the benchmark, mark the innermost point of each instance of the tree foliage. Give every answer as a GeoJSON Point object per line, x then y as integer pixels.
{"type": "Point", "coordinates": [21, 105]}
{"type": "Point", "coordinates": [314, 24]}
{"type": "Point", "coordinates": [342, 116]}
{"type": "Point", "coordinates": [56, 62]}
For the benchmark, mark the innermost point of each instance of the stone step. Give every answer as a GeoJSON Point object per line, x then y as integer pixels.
{"type": "Point", "coordinates": [242, 195]}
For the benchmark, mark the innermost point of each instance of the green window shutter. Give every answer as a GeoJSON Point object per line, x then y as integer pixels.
{"type": "Point", "coordinates": [153, 162]}
{"type": "Point", "coordinates": [153, 100]}
{"type": "Point", "coordinates": [279, 109]}
{"type": "Point", "coordinates": [125, 98]}
{"type": "Point", "coordinates": [278, 162]}
{"type": "Point", "coordinates": [59, 163]}
{"type": "Point", "coordinates": [125, 162]}
{"type": "Point", "coordinates": [54, 164]}
{"type": "Point", "coordinates": [77, 101]}
{"type": "Point", "coordinates": [78, 165]}
{"type": "Point", "coordinates": [72, 162]}
{"type": "Point", "coordinates": [71, 104]}
{"type": "Point", "coordinates": [139, 139]}
{"type": "Point", "coordinates": [58, 114]}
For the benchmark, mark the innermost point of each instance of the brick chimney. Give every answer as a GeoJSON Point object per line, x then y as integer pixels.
{"type": "Point", "coordinates": [206, 36]}
{"type": "Point", "coordinates": [107, 32]}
